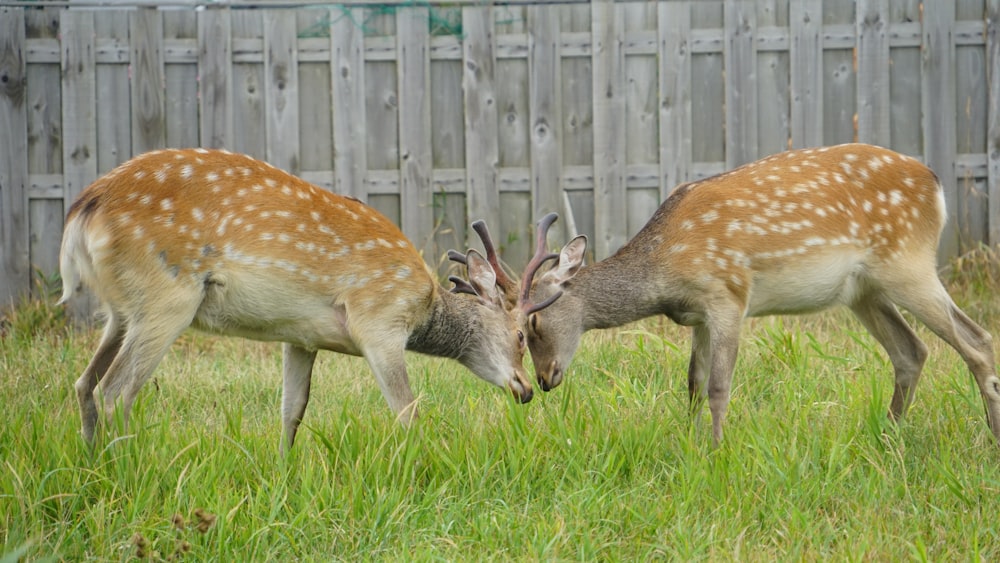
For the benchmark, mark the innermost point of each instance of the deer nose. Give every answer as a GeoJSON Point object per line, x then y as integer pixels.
{"type": "Point", "coordinates": [521, 388]}
{"type": "Point", "coordinates": [553, 380]}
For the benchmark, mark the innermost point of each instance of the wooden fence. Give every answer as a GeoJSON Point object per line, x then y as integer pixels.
{"type": "Point", "coordinates": [442, 114]}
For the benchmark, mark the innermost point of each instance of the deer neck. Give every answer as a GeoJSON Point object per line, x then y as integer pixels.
{"type": "Point", "coordinates": [448, 328]}
{"type": "Point", "coordinates": [616, 291]}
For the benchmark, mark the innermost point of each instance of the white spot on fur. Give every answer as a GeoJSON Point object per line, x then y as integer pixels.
{"type": "Point", "coordinates": [211, 177]}
{"type": "Point", "coordinates": [166, 204]}
{"type": "Point", "coordinates": [187, 171]}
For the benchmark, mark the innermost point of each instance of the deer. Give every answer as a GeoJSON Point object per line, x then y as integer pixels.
{"type": "Point", "coordinates": [798, 232]}
{"type": "Point", "coordinates": [233, 246]}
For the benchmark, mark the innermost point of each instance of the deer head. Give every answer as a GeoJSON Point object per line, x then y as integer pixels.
{"type": "Point", "coordinates": [231, 245]}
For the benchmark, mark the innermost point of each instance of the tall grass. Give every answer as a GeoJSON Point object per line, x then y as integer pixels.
{"type": "Point", "coordinates": [608, 466]}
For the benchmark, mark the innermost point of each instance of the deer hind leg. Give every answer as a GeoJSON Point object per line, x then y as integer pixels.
{"type": "Point", "coordinates": [147, 338]}
{"type": "Point", "coordinates": [297, 369]}
{"type": "Point", "coordinates": [111, 342]}
{"type": "Point", "coordinates": [906, 351]}
{"type": "Point", "coordinates": [931, 305]}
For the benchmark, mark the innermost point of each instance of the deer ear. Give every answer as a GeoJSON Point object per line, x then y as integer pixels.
{"type": "Point", "coordinates": [570, 260]}
{"type": "Point", "coordinates": [482, 278]}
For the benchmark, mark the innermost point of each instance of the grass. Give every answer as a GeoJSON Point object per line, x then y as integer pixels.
{"type": "Point", "coordinates": [605, 467]}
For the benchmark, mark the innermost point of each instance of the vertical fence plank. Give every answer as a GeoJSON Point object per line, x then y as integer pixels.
{"type": "Point", "coordinates": [772, 79]}
{"type": "Point", "coordinates": [905, 131]}
{"type": "Point", "coordinates": [215, 82]}
{"type": "Point", "coordinates": [544, 97]}
{"type": "Point", "coordinates": [610, 221]}
{"type": "Point", "coordinates": [938, 101]}
{"type": "Point", "coordinates": [872, 40]}
{"type": "Point", "coordinates": [413, 69]}
{"type": "Point", "coordinates": [249, 113]}
{"type": "Point", "coordinates": [806, 21]}
{"type": "Point", "coordinates": [281, 96]}
{"type": "Point", "coordinates": [673, 44]}
{"type": "Point", "coordinates": [481, 144]}
{"type": "Point", "coordinates": [15, 269]}
{"type": "Point", "coordinates": [113, 94]}
{"type": "Point", "coordinates": [741, 82]}
{"type": "Point", "coordinates": [79, 110]}
{"type": "Point", "coordinates": [147, 80]}
{"type": "Point", "coordinates": [347, 72]}
{"type": "Point", "coordinates": [993, 119]}
{"type": "Point", "coordinates": [44, 102]}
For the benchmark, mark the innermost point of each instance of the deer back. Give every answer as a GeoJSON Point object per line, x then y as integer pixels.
{"type": "Point", "coordinates": [263, 250]}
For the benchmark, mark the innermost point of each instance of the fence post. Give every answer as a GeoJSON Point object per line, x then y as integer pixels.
{"type": "Point", "coordinates": [938, 109]}
{"type": "Point", "coordinates": [872, 40]}
{"type": "Point", "coordinates": [79, 116]}
{"type": "Point", "coordinates": [413, 71]}
{"type": "Point", "coordinates": [147, 80]}
{"type": "Point", "coordinates": [482, 152]}
{"type": "Point", "coordinates": [610, 206]}
{"type": "Point", "coordinates": [674, 50]}
{"type": "Point", "coordinates": [993, 119]}
{"type": "Point", "coordinates": [15, 270]}
{"type": "Point", "coordinates": [741, 82]}
{"type": "Point", "coordinates": [215, 78]}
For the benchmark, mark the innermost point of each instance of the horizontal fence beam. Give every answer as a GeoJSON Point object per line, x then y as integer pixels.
{"type": "Point", "coordinates": [509, 46]}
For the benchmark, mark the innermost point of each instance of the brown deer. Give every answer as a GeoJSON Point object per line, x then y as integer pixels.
{"type": "Point", "coordinates": [234, 246]}
{"type": "Point", "coordinates": [797, 232]}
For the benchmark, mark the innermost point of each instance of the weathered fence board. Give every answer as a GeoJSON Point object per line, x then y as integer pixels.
{"type": "Point", "coordinates": [347, 72]}
{"type": "Point", "coordinates": [215, 78]}
{"type": "Point", "coordinates": [413, 69]}
{"type": "Point", "coordinates": [147, 80]}
{"type": "Point", "coordinates": [806, 73]}
{"type": "Point", "coordinates": [873, 71]}
{"type": "Point", "coordinates": [441, 114]}
{"type": "Point", "coordinates": [15, 273]}
{"type": "Point", "coordinates": [610, 222]}
{"type": "Point", "coordinates": [79, 116]}
{"type": "Point", "coordinates": [938, 88]}
{"type": "Point", "coordinates": [993, 119]}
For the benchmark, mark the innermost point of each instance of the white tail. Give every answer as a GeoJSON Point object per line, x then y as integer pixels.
{"type": "Point", "coordinates": [797, 232]}
{"type": "Point", "coordinates": [234, 246]}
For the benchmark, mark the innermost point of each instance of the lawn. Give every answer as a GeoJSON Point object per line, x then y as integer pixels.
{"type": "Point", "coordinates": [607, 467]}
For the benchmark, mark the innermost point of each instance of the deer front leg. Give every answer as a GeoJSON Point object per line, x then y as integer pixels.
{"type": "Point", "coordinates": [698, 368]}
{"type": "Point", "coordinates": [725, 338]}
{"type": "Point", "coordinates": [388, 362]}
{"type": "Point", "coordinates": [297, 366]}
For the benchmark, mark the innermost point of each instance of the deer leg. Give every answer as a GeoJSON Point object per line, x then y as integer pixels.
{"type": "Point", "coordinates": [388, 362]}
{"type": "Point", "coordinates": [111, 342]}
{"type": "Point", "coordinates": [906, 352]}
{"type": "Point", "coordinates": [725, 340]}
{"type": "Point", "coordinates": [698, 368]}
{"type": "Point", "coordinates": [297, 369]}
{"type": "Point", "coordinates": [146, 340]}
{"type": "Point", "coordinates": [934, 307]}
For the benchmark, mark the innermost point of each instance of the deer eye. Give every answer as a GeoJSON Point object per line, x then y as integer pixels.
{"type": "Point", "coordinates": [520, 338]}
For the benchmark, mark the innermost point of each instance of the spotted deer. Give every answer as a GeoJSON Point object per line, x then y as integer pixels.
{"type": "Point", "coordinates": [797, 232]}
{"type": "Point", "coordinates": [234, 246]}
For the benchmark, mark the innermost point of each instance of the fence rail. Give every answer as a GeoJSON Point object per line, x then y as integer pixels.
{"type": "Point", "coordinates": [439, 114]}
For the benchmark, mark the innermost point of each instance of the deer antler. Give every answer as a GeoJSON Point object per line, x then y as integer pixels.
{"type": "Point", "coordinates": [541, 256]}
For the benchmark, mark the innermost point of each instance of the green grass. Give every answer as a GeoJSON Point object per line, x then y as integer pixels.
{"type": "Point", "coordinates": [605, 467]}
